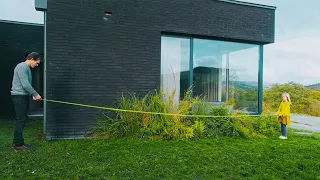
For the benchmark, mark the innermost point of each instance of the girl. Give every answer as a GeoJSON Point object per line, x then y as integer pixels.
{"type": "Point", "coordinates": [284, 114]}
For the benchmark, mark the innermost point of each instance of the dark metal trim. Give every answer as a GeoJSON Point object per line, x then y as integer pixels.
{"type": "Point", "coordinates": [249, 4]}
{"type": "Point", "coordinates": [260, 80]}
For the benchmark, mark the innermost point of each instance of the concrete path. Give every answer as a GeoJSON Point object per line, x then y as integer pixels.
{"type": "Point", "coordinates": [305, 122]}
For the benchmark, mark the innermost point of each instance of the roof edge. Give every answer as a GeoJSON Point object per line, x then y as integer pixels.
{"type": "Point", "coordinates": [249, 4]}
{"type": "Point", "coordinates": [19, 22]}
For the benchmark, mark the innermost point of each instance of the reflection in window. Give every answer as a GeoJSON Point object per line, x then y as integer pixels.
{"type": "Point", "coordinates": [175, 60]}
{"type": "Point", "coordinates": [222, 71]}
{"type": "Point", "coordinates": [244, 77]}
{"type": "Point", "coordinates": [207, 70]}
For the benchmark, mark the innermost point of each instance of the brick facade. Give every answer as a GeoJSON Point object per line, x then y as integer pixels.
{"type": "Point", "coordinates": [92, 59]}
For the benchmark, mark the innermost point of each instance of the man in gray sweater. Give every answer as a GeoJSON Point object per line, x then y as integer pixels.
{"type": "Point", "coordinates": [20, 92]}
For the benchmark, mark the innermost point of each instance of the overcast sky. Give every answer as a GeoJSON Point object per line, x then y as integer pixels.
{"type": "Point", "coordinates": [293, 57]}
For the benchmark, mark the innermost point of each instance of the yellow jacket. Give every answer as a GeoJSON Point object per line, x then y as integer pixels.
{"type": "Point", "coordinates": [284, 113]}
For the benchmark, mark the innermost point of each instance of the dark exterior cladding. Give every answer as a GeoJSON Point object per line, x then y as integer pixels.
{"type": "Point", "coordinates": [92, 58]}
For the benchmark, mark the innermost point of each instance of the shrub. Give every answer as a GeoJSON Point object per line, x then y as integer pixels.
{"type": "Point", "coordinates": [315, 95]}
{"type": "Point", "coordinates": [304, 100]}
{"type": "Point", "coordinates": [177, 126]}
{"type": "Point", "coordinates": [198, 128]}
{"type": "Point", "coordinates": [312, 108]}
{"type": "Point", "coordinates": [220, 126]}
{"type": "Point", "coordinates": [154, 126]}
{"type": "Point", "coordinates": [256, 126]}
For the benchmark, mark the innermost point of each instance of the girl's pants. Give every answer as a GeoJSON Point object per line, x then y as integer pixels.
{"type": "Point", "coordinates": [284, 130]}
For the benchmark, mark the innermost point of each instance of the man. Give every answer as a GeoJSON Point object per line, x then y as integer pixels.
{"type": "Point", "coordinates": [20, 92]}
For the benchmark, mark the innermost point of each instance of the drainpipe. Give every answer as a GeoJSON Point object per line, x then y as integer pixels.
{"type": "Point", "coordinates": [45, 74]}
{"type": "Point", "coordinates": [41, 5]}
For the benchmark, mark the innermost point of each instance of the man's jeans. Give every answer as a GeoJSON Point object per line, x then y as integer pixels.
{"type": "Point", "coordinates": [284, 130]}
{"type": "Point", "coordinates": [21, 106]}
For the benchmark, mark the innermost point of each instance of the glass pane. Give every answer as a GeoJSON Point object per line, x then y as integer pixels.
{"type": "Point", "coordinates": [175, 62]}
{"type": "Point", "coordinates": [226, 72]}
{"type": "Point", "coordinates": [243, 78]}
{"type": "Point", "coordinates": [207, 70]}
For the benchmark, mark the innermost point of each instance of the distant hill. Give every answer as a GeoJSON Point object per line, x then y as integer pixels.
{"type": "Point", "coordinates": [267, 85]}
{"type": "Point", "coordinates": [249, 85]}
{"type": "Point", "coordinates": [245, 85]}
{"type": "Point", "coordinates": [314, 86]}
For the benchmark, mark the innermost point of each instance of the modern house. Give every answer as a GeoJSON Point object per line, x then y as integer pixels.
{"type": "Point", "coordinates": [96, 50]}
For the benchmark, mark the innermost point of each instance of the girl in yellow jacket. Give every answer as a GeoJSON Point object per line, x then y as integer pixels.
{"type": "Point", "coordinates": [284, 114]}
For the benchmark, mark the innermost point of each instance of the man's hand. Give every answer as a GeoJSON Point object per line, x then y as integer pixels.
{"type": "Point", "coordinates": [38, 98]}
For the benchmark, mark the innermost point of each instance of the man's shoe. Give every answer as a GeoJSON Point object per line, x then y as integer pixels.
{"type": "Point", "coordinates": [20, 148]}
{"type": "Point", "coordinates": [23, 147]}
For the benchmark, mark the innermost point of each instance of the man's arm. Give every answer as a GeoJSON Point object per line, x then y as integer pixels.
{"type": "Point", "coordinates": [23, 76]}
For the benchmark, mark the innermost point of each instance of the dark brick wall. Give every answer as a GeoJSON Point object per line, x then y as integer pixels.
{"type": "Point", "coordinates": [16, 40]}
{"type": "Point", "coordinates": [92, 60]}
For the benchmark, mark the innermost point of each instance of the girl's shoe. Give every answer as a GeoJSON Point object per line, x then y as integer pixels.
{"type": "Point", "coordinates": [283, 137]}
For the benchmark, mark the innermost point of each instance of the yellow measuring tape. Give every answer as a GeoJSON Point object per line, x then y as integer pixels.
{"type": "Point", "coordinates": [142, 112]}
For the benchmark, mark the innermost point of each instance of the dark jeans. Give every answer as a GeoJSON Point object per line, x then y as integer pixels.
{"type": "Point", "coordinates": [284, 130]}
{"type": "Point", "coordinates": [21, 106]}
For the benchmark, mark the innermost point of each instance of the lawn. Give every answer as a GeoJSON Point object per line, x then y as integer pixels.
{"type": "Point", "coordinates": [223, 158]}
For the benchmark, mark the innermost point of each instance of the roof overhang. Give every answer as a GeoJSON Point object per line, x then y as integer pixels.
{"type": "Point", "coordinates": [40, 5]}
{"type": "Point", "coordinates": [21, 23]}
{"type": "Point", "coordinates": [249, 4]}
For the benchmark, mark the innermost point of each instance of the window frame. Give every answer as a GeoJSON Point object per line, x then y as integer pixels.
{"type": "Point", "coordinates": [260, 65]}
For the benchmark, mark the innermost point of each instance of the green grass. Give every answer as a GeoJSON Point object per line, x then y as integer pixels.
{"type": "Point", "coordinates": [223, 158]}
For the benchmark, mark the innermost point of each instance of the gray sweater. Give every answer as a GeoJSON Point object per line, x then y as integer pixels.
{"type": "Point", "coordinates": [22, 80]}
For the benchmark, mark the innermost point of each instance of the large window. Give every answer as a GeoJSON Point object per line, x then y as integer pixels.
{"type": "Point", "coordinates": [207, 70]}
{"type": "Point", "coordinates": [220, 71]}
{"type": "Point", "coordinates": [175, 61]}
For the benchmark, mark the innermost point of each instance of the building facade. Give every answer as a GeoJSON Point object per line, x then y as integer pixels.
{"type": "Point", "coordinates": [96, 50]}
{"type": "Point", "coordinates": [17, 40]}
